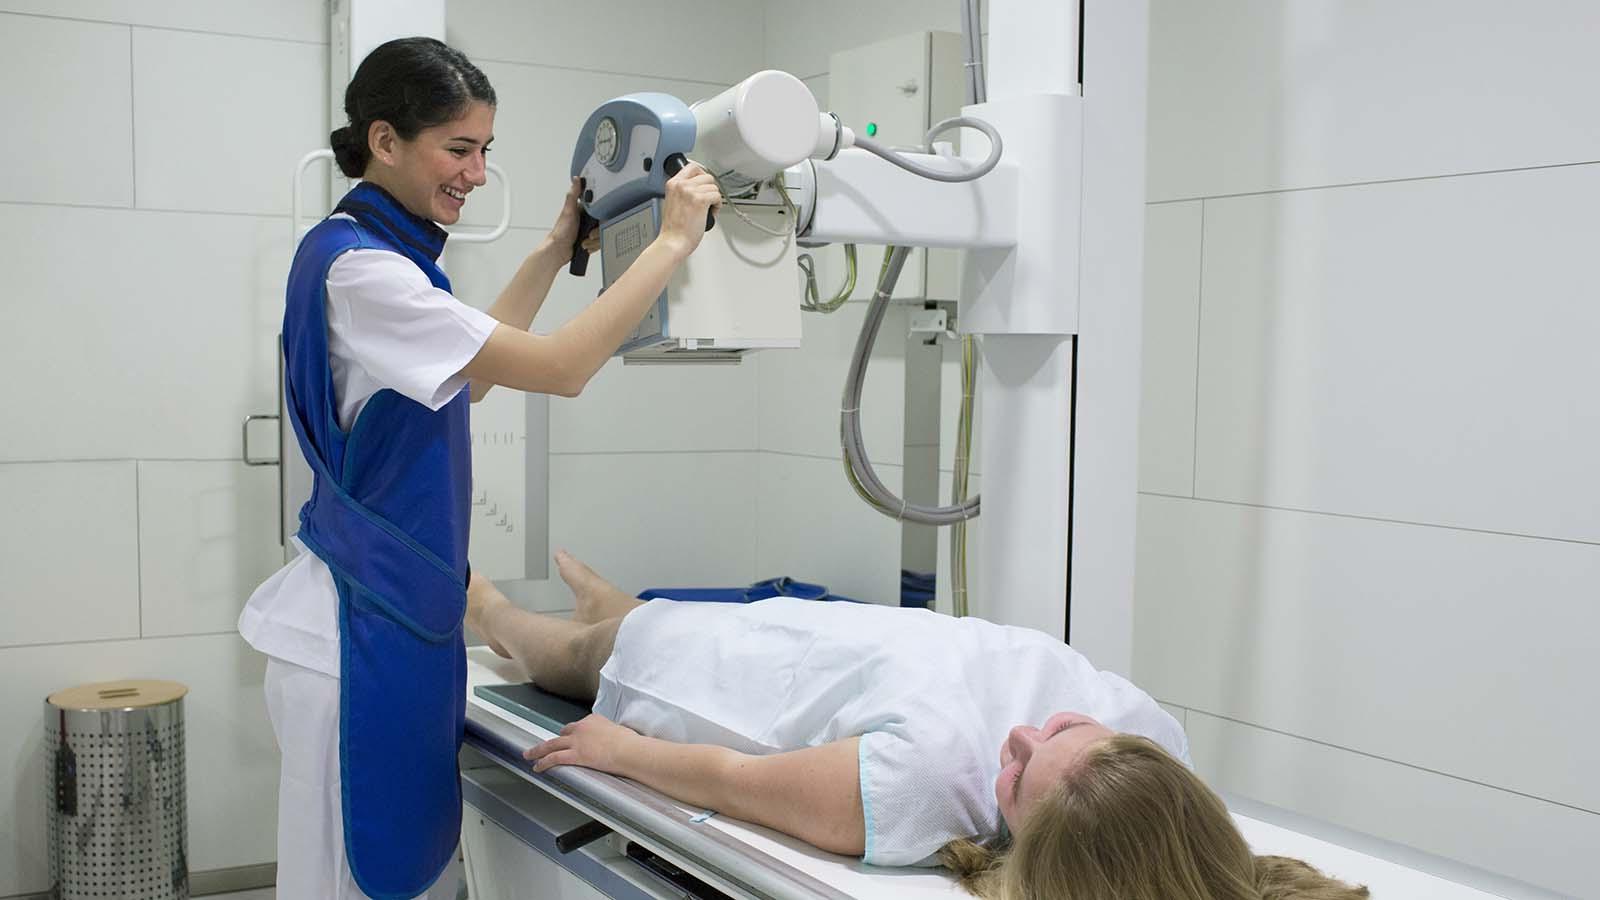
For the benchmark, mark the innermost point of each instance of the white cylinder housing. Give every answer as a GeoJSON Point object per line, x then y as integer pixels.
{"type": "Point", "coordinates": [758, 127]}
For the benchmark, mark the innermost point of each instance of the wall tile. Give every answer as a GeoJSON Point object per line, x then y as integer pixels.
{"type": "Point", "coordinates": [69, 548]}
{"type": "Point", "coordinates": [230, 755]}
{"type": "Point", "coordinates": [72, 141]}
{"type": "Point", "coordinates": [1415, 351]}
{"type": "Point", "coordinates": [1391, 640]}
{"type": "Point", "coordinates": [208, 536]}
{"type": "Point", "coordinates": [717, 41]}
{"type": "Point", "coordinates": [1299, 82]}
{"type": "Point", "coordinates": [1177, 712]}
{"type": "Point", "coordinates": [219, 122]}
{"type": "Point", "coordinates": [646, 520]}
{"type": "Point", "coordinates": [293, 20]}
{"type": "Point", "coordinates": [1549, 845]}
{"type": "Point", "coordinates": [799, 39]}
{"type": "Point", "coordinates": [815, 528]}
{"type": "Point", "coordinates": [1171, 344]}
{"type": "Point", "coordinates": [171, 332]}
{"type": "Point", "coordinates": [819, 89]}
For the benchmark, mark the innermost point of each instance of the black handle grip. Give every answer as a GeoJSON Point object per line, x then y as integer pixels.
{"type": "Point", "coordinates": [580, 257]}
{"type": "Point", "coordinates": [674, 164]}
{"type": "Point", "coordinates": [583, 835]}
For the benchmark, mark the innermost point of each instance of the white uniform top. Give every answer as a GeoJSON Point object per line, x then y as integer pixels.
{"type": "Point", "coordinates": [388, 327]}
{"type": "Point", "coordinates": [932, 698]}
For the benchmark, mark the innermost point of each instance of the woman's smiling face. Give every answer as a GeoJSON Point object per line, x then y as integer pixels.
{"type": "Point", "coordinates": [432, 173]}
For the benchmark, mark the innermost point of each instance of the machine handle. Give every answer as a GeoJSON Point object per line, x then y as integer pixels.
{"type": "Point", "coordinates": [244, 441]}
{"type": "Point", "coordinates": [583, 835]}
{"type": "Point", "coordinates": [586, 223]}
{"type": "Point", "coordinates": [674, 164]}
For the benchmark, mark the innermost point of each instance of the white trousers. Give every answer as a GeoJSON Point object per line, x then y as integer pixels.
{"type": "Point", "coordinates": [304, 707]}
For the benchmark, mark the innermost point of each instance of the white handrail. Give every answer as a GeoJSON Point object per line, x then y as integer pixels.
{"type": "Point", "coordinates": [459, 237]}
{"type": "Point", "coordinates": [295, 230]}
{"type": "Point", "coordinates": [484, 237]}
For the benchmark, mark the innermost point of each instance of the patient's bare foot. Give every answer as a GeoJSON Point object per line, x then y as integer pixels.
{"type": "Point", "coordinates": [597, 598]}
{"type": "Point", "coordinates": [483, 598]}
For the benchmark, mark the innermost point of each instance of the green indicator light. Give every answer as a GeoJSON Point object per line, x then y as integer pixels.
{"type": "Point", "coordinates": [872, 129]}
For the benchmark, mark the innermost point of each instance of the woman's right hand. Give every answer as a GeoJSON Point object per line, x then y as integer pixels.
{"type": "Point", "coordinates": [593, 742]}
{"type": "Point", "coordinates": [683, 216]}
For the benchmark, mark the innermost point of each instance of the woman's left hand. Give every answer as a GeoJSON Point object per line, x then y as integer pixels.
{"type": "Point", "coordinates": [565, 231]}
{"type": "Point", "coordinates": [593, 742]}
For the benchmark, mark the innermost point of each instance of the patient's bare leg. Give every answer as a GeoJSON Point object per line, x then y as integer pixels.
{"type": "Point", "coordinates": [597, 598]}
{"type": "Point", "coordinates": [562, 656]}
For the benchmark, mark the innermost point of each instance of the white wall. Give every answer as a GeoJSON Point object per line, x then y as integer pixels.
{"type": "Point", "coordinates": [143, 210]}
{"type": "Point", "coordinates": [1368, 546]}
{"type": "Point", "coordinates": [142, 204]}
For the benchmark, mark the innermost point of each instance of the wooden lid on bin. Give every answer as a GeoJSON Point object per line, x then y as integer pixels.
{"type": "Point", "coordinates": [117, 695]}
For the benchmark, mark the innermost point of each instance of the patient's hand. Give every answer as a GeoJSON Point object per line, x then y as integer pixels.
{"type": "Point", "coordinates": [593, 742]}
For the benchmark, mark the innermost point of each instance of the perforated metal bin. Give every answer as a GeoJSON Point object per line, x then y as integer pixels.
{"type": "Point", "coordinates": [117, 799]}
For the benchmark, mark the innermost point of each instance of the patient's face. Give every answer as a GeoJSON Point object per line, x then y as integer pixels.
{"type": "Point", "coordinates": [1034, 760]}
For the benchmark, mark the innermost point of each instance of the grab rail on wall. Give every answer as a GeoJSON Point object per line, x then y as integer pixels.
{"type": "Point", "coordinates": [460, 237]}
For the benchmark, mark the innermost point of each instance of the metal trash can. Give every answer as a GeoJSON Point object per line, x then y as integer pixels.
{"type": "Point", "coordinates": [117, 800]}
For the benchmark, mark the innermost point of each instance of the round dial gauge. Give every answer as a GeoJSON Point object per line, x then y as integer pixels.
{"type": "Point", "coordinates": [606, 144]}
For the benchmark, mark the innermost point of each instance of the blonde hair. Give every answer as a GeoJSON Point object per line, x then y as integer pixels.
{"type": "Point", "coordinates": [1130, 822]}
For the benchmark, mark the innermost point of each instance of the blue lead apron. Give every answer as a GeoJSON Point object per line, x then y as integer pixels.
{"type": "Point", "coordinates": [388, 513]}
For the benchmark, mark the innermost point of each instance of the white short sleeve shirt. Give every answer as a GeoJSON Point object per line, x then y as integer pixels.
{"type": "Point", "coordinates": [388, 327]}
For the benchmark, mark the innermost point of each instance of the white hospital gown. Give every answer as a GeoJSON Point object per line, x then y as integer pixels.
{"type": "Point", "coordinates": [932, 698]}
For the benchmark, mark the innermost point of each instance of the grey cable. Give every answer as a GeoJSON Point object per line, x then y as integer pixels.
{"type": "Point", "coordinates": [977, 92]}
{"type": "Point", "coordinates": [971, 19]}
{"type": "Point", "coordinates": [857, 464]}
{"type": "Point", "coordinates": [813, 302]}
{"type": "Point", "coordinates": [996, 147]}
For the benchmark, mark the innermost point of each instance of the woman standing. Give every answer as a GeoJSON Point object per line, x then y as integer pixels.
{"type": "Point", "coordinates": [365, 677]}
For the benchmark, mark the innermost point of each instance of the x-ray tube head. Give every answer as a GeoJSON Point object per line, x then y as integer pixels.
{"type": "Point", "coordinates": [757, 128]}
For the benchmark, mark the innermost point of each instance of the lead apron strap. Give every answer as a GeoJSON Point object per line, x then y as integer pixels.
{"type": "Point", "coordinates": [401, 691]}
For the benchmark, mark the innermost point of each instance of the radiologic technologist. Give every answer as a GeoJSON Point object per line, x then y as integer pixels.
{"type": "Point", "coordinates": [365, 679]}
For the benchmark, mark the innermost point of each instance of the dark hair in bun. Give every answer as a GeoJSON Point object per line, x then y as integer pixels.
{"type": "Point", "coordinates": [411, 83]}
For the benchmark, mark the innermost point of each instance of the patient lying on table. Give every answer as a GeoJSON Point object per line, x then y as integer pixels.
{"type": "Point", "coordinates": [892, 734]}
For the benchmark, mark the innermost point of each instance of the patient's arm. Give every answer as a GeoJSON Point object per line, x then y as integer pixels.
{"type": "Point", "coordinates": [813, 794]}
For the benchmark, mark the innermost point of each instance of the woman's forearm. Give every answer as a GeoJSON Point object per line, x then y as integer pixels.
{"type": "Point", "coordinates": [593, 335]}
{"type": "Point", "coordinates": [563, 361]}
{"type": "Point", "coordinates": [695, 774]}
{"type": "Point", "coordinates": [813, 794]}
{"type": "Point", "coordinates": [523, 296]}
